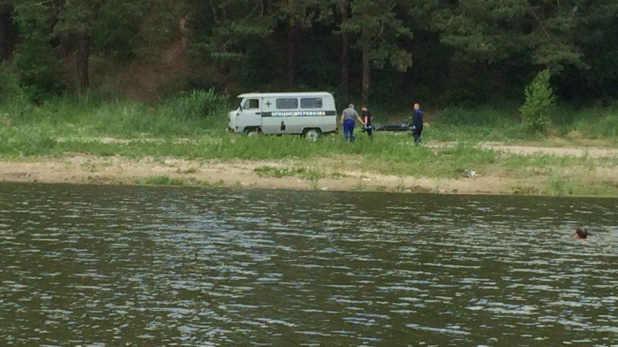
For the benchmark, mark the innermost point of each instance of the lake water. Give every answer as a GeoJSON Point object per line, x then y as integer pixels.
{"type": "Point", "coordinates": [85, 265]}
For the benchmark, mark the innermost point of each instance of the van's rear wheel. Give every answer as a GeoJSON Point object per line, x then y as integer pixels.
{"type": "Point", "coordinates": [312, 134]}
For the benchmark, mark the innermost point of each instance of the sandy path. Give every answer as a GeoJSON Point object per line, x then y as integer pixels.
{"type": "Point", "coordinates": [591, 151]}
{"type": "Point", "coordinates": [118, 170]}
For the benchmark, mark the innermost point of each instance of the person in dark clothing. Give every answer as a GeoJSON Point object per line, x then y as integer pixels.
{"type": "Point", "coordinates": [368, 121]}
{"type": "Point", "coordinates": [417, 123]}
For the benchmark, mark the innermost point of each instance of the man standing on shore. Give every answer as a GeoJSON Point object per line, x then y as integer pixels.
{"type": "Point", "coordinates": [417, 123]}
{"type": "Point", "coordinates": [348, 120]}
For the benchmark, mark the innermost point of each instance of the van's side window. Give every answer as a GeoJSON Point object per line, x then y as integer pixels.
{"type": "Point", "coordinates": [284, 104]}
{"type": "Point", "coordinates": [251, 104]}
{"type": "Point", "coordinates": [311, 103]}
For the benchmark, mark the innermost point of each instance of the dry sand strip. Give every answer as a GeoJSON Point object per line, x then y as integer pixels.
{"type": "Point", "coordinates": [119, 170]}
{"type": "Point", "coordinates": [592, 152]}
{"type": "Point", "coordinates": [81, 168]}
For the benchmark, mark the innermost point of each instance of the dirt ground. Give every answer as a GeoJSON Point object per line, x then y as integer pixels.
{"type": "Point", "coordinates": [80, 168]}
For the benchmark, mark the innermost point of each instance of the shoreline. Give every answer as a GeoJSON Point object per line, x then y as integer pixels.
{"type": "Point", "coordinates": [265, 174]}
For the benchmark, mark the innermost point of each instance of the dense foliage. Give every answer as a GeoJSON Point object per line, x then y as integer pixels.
{"type": "Point", "coordinates": [384, 51]}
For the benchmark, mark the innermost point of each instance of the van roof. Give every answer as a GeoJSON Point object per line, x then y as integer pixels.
{"type": "Point", "coordinates": [279, 95]}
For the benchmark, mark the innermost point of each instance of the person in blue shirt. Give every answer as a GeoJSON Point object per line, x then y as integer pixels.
{"type": "Point", "coordinates": [417, 123]}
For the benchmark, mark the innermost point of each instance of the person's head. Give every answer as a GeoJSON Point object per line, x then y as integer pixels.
{"type": "Point", "coordinates": [581, 233]}
{"type": "Point", "coordinates": [350, 105]}
{"type": "Point", "coordinates": [364, 108]}
{"type": "Point", "coordinates": [417, 105]}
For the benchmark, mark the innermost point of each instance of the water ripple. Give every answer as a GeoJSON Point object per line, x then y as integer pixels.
{"type": "Point", "coordinates": [105, 265]}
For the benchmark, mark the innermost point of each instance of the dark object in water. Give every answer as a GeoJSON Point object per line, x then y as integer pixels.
{"type": "Point", "coordinates": [393, 127]}
{"type": "Point", "coordinates": [581, 233]}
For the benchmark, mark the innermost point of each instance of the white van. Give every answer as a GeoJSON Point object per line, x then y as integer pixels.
{"type": "Point", "coordinates": [310, 114]}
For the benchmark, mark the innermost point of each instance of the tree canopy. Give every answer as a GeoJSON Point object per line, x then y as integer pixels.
{"type": "Point", "coordinates": [388, 51]}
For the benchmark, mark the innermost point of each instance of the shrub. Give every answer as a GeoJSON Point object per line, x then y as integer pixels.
{"type": "Point", "coordinates": [10, 91]}
{"type": "Point", "coordinates": [476, 117]}
{"type": "Point", "coordinates": [539, 104]}
{"type": "Point", "coordinates": [197, 104]}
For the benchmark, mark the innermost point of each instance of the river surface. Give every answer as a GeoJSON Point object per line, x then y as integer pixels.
{"type": "Point", "coordinates": [85, 265]}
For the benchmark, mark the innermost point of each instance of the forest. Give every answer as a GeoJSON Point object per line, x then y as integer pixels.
{"type": "Point", "coordinates": [387, 52]}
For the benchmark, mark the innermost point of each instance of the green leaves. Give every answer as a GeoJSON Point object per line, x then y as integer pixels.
{"type": "Point", "coordinates": [380, 25]}
{"type": "Point", "coordinates": [35, 60]}
{"type": "Point", "coordinates": [232, 27]}
{"type": "Point", "coordinates": [464, 51]}
{"type": "Point", "coordinates": [492, 31]}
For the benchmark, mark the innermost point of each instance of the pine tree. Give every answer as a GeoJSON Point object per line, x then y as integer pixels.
{"type": "Point", "coordinates": [36, 61]}
{"type": "Point", "coordinates": [539, 104]}
{"type": "Point", "coordinates": [378, 27]}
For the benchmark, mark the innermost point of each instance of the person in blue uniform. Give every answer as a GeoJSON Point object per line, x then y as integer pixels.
{"type": "Point", "coordinates": [348, 120]}
{"type": "Point", "coordinates": [417, 123]}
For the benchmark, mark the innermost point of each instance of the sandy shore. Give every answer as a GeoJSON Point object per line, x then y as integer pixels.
{"type": "Point", "coordinates": [80, 168]}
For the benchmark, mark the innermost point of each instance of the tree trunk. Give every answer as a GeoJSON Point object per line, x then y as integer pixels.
{"type": "Point", "coordinates": [291, 45]}
{"type": "Point", "coordinates": [366, 42]}
{"type": "Point", "coordinates": [4, 32]}
{"type": "Point", "coordinates": [63, 44]}
{"type": "Point", "coordinates": [184, 32]}
{"type": "Point", "coordinates": [83, 56]}
{"type": "Point", "coordinates": [345, 50]}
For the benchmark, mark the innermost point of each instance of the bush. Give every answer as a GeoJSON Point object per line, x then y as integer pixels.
{"type": "Point", "coordinates": [539, 105]}
{"type": "Point", "coordinates": [476, 117]}
{"type": "Point", "coordinates": [197, 104]}
{"type": "Point", "coordinates": [10, 91]}
{"type": "Point", "coordinates": [598, 124]}
{"type": "Point", "coordinates": [186, 114]}
{"type": "Point", "coordinates": [27, 142]}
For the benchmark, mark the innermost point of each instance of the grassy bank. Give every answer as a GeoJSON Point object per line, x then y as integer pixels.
{"type": "Point", "coordinates": [191, 126]}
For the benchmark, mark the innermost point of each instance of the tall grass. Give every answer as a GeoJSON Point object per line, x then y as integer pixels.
{"type": "Point", "coordinates": [101, 113]}
{"type": "Point", "coordinates": [481, 124]}
{"type": "Point", "coordinates": [504, 124]}
{"type": "Point", "coordinates": [26, 141]}
{"type": "Point", "coordinates": [191, 125]}
{"type": "Point", "coordinates": [597, 123]}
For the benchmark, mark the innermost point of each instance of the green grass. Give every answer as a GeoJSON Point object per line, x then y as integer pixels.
{"type": "Point", "coordinates": [200, 116]}
{"type": "Point", "coordinates": [161, 181]}
{"type": "Point", "coordinates": [310, 174]}
{"type": "Point", "coordinates": [191, 126]}
{"type": "Point", "coordinates": [170, 181]}
{"type": "Point", "coordinates": [388, 153]}
{"type": "Point", "coordinates": [559, 185]}
{"type": "Point", "coordinates": [504, 125]}
{"type": "Point", "coordinates": [301, 172]}
{"type": "Point", "coordinates": [87, 115]}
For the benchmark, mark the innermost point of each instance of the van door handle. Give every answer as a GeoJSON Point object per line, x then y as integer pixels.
{"type": "Point", "coordinates": [258, 113]}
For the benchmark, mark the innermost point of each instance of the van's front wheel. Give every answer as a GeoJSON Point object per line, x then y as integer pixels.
{"type": "Point", "coordinates": [312, 134]}
{"type": "Point", "coordinates": [250, 132]}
